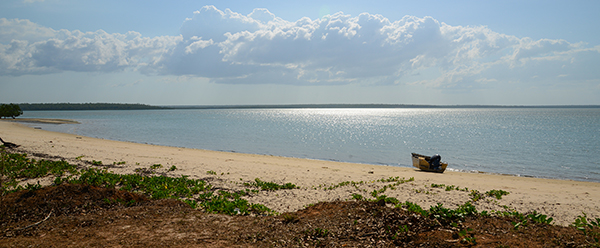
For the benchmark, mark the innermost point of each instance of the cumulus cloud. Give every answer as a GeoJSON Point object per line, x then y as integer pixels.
{"type": "Point", "coordinates": [259, 48]}
{"type": "Point", "coordinates": [49, 51]}
{"type": "Point", "coordinates": [17, 29]}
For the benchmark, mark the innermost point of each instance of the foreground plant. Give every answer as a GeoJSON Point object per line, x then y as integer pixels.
{"type": "Point", "coordinates": [589, 227]}
{"type": "Point", "coordinates": [196, 193]}
{"type": "Point", "coordinates": [270, 185]}
{"type": "Point", "coordinates": [15, 166]}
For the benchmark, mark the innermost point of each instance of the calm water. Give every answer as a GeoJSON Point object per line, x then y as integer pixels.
{"type": "Point", "coordinates": [538, 142]}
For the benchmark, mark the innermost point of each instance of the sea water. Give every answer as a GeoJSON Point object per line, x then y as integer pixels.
{"type": "Point", "coordinates": [561, 143]}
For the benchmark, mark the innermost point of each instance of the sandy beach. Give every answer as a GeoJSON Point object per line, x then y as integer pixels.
{"type": "Point", "coordinates": [562, 200]}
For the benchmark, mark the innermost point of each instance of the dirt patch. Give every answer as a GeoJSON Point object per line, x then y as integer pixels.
{"type": "Point", "coordinates": [87, 216]}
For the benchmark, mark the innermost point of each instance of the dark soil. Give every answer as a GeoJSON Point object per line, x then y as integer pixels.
{"type": "Point", "coordinates": [87, 216]}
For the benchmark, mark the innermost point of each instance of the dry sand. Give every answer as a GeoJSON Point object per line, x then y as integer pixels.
{"type": "Point", "coordinates": [562, 200]}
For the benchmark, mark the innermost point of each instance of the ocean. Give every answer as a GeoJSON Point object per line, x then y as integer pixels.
{"type": "Point", "coordinates": [561, 143]}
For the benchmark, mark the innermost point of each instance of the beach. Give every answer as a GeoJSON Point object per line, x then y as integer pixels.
{"type": "Point", "coordinates": [562, 200]}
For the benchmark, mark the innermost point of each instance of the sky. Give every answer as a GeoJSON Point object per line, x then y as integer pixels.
{"type": "Point", "coordinates": [184, 52]}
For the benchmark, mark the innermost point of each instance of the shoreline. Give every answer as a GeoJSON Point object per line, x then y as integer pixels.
{"type": "Point", "coordinates": [560, 199]}
{"type": "Point", "coordinates": [43, 121]}
{"type": "Point", "coordinates": [52, 121]}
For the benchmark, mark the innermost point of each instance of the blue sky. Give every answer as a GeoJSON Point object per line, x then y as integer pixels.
{"type": "Point", "coordinates": [278, 52]}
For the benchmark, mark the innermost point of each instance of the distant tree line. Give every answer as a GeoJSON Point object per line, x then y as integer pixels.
{"type": "Point", "coordinates": [10, 110]}
{"type": "Point", "coordinates": [86, 106]}
{"type": "Point", "coordinates": [137, 106]}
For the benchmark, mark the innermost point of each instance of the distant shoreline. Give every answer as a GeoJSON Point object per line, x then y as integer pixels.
{"type": "Point", "coordinates": [289, 106]}
{"type": "Point", "coordinates": [128, 106]}
{"type": "Point", "coordinates": [84, 106]}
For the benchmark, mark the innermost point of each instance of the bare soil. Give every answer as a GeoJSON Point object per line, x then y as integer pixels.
{"type": "Point", "coordinates": [86, 216]}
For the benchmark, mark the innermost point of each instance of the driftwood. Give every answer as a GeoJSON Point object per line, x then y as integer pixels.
{"type": "Point", "coordinates": [37, 223]}
{"type": "Point", "coordinates": [8, 144]}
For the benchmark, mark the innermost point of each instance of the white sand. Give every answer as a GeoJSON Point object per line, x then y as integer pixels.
{"type": "Point", "coordinates": [562, 200]}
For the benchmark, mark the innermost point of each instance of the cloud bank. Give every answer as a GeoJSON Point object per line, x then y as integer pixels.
{"type": "Point", "coordinates": [261, 48]}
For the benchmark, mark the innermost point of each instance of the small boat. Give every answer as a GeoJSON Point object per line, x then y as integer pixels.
{"type": "Point", "coordinates": [422, 162]}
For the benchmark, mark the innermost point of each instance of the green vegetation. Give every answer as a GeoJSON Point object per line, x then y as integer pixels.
{"type": "Point", "coordinates": [229, 203]}
{"type": "Point", "coordinates": [442, 214]}
{"type": "Point", "coordinates": [467, 236]}
{"type": "Point", "coordinates": [270, 185]}
{"type": "Point", "coordinates": [452, 216]}
{"type": "Point", "coordinates": [590, 228]}
{"type": "Point", "coordinates": [496, 193]}
{"type": "Point", "coordinates": [157, 187]}
{"type": "Point", "coordinates": [415, 208]}
{"type": "Point", "coordinates": [290, 218]}
{"type": "Point", "coordinates": [15, 168]}
{"type": "Point", "coordinates": [318, 232]}
{"type": "Point", "coordinates": [523, 220]}
{"type": "Point", "coordinates": [10, 110]}
{"type": "Point", "coordinates": [476, 195]}
{"type": "Point", "coordinates": [156, 166]}
{"type": "Point", "coordinates": [396, 181]}
{"type": "Point", "coordinates": [357, 197]}
{"type": "Point", "coordinates": [196, 193]}
{"type": "Point", "coordinates": [449, 215]}
{"type": "Point", "coordinates": [449, 187]}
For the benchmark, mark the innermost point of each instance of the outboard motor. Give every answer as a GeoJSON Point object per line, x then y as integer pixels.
{"type": "Point", "coordinates": [434, 161]}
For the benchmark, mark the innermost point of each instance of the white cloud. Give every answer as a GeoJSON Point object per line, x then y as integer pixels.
{"type": "Point", "coordinates": [55, 51]}
{"type": "Point", "coordinates": [18, 29]}
{"type": "Point", "coordinates": [258, 48]}
{"type": "Point", "coordinates": [211, 23]}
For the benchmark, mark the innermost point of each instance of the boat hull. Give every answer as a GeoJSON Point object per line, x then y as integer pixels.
{"type": "Point", "coordinates": [420, 162]}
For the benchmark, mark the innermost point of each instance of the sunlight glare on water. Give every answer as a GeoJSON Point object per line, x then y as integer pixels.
{"type": "Point", "coordinates": [539, 142]}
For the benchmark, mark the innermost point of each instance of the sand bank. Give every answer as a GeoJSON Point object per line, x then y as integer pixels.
{"type": "Point", "coordinates": [562, 200]}
{"type": "Point", "coordinates": [43, 121]}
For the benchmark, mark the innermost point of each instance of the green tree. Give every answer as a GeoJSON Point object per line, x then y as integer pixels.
{"type": "Point", "coordinates": [10, 110]}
